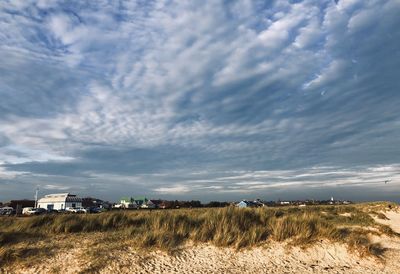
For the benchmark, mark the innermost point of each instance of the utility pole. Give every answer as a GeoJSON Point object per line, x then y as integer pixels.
{"type": "Point", "coordinates": [36, 196]}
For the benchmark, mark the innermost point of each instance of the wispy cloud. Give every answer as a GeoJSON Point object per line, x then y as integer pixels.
{"type": "Point", "coordinates": [176, 189]}
{"type": "Point", "coordinates": [175, 87]}
{"type": "Point", "coordinates": [56, 187]}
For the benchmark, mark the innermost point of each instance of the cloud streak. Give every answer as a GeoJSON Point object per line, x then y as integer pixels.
{"type": "Point", "coordinates": [177, 88]}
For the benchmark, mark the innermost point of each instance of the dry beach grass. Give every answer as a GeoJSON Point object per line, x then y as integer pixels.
{"type": "Point", "coordinates": [102, 240]}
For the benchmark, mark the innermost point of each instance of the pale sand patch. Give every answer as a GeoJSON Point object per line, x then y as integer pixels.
{"type": "Point", "coordinates": [323, 257]}
{"type": "Point", "coordinates": [393, 222]}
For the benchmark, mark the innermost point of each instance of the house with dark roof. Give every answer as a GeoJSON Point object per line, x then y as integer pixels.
{"type": "Point", "coordinates": [246, 203]}
{"type": "Point", "coordinates": [59, 201]}
{"type": "Point", "coordinates": [94, 202]}
{"type": "Point", "coordinates": [21, 203]}
{"type": "Point", "coordinates": [152, 204]}
{"type": "Point", "coordinates": [141, 200]}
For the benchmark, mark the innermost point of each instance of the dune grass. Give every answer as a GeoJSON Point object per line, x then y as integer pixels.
{"type": "Point", "coordinates": [226, 227]}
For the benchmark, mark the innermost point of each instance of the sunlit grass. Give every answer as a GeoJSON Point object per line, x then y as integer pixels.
{"type": "Point", "coordinates": [226, 227]}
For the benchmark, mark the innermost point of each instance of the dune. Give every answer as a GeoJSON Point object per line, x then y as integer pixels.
{"type": "Point", "coordinates": [393, 220]}
{"type": "Point", "coordinates": [322, 257]}
{"type": "Point", "coordinates": [105, 252]}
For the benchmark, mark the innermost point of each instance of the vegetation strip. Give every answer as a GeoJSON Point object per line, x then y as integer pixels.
{"type": "Point", "coordinates": [170, 229]}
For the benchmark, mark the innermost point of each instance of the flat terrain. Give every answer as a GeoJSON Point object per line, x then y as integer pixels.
{"type": "Point", "coordinates": [326, 239]}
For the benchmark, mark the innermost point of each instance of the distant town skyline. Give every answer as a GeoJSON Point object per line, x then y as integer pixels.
{"type": "Point", "coordinates": [218, 100]}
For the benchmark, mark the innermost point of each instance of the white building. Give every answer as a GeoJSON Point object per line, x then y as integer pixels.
{"type": "Point", "coordinates": [127, 203]}
{"type": "Point", "coordinates": [59, 201]}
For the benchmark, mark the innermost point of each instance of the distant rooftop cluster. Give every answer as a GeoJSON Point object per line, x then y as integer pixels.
{"type": "Point", "coordinates": [65, 201]}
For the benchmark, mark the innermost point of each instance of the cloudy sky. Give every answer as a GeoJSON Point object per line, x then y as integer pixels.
{"type": "Point", "coordinates": [200, 100]}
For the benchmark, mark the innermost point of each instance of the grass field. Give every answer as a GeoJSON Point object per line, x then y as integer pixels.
{"type": "Point", "coordinates": [32, 237]}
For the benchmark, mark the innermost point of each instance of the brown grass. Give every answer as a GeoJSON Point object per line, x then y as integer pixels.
{"type": "Point", "coordinates": [170, 229]}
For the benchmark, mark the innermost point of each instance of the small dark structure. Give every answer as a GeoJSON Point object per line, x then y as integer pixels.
{"type": "Point", "coordinates": [20, 203]}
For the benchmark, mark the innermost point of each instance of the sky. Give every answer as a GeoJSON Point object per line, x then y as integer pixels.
{"type": "Point", "coordinates": [206, 100]}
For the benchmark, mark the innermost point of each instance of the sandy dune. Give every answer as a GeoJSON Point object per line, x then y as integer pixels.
{"type": "Point", "coordinates": [323, 257]}
{"type": "Point", "coordinates": [273, 257]}
{"type": "Point", "coordinates": [393, 222]}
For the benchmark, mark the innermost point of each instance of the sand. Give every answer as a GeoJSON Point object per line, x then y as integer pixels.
{"type": "Point", "coordinates": [323, 257]}
{"type": "Point", "coordinates": [273, 257]}
{"type": "Point", "coordinates": [393, 222]}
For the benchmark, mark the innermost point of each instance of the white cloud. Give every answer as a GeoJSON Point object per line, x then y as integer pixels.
{"type": "Point", "coordinates": [8, 175]}
{"type": "Point", "coordinates": [328, 75]}
{"type": "Point", "coordinates": [362, 20]}
{"type": "Point", "coordinates": [56, 187]}
{"type": "Point", "coordinates": [309, 34]}
{"type": "Point", "coordinates": [315, 177]}
{"type": "Point", "coordinates": [229, 80]}
{"type": "Point", "coordinates": [177, 189]}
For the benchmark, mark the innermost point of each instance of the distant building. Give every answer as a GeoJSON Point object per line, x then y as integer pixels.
{"type": "Point", "coordinates": [245, 203]}
{"type": "Point", "coordinates": [59, 201]}
{"type": "Point", "coordinates": [259, 203]}
{"type": "Point", "coordinates": [21, 203]}
{"type": "Point", "coordinates": [94, 202]}
{"type": "Point", "coordinates": [151, 204]}
{"type": "Point", "coordinates": [127, 202]}
{"type": "Point", "coordinates": [166, 204]}
{"type": "Point", "coordinates": [140, 200]}
{"type": "Point", "coordinates": [130, 202]}
{"type": "Point", "coordinates": [157, 203]}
